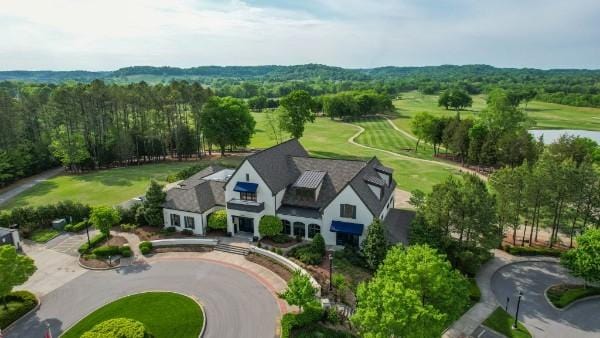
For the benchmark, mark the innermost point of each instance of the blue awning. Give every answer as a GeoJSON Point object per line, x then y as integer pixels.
{"type": "Point", "coordinates": [245, 187]}
{"type": "Point", "coordinates": [347, 228]}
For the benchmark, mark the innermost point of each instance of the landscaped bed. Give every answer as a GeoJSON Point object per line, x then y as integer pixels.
{"type": "Point", "coordinates": [18, 303]}
{"type": "Point", "coordinates": [164, 314]}
{"type": "Point", "coordinates": [502, 322]}
{"type": "Point", "coordinates": [270, 264]}
{"type": "Point", "coordinates": [43, 235]}
{"type": "Point", "coordinates": [564, 294]}
{"type": "Point", "coordinates": [101, 253]}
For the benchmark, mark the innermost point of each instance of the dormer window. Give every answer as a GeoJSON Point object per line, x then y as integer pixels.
{"type": "Point", "coordinates": [384, 173]}
{"type": "Point", "coordinates": [376, 184]}
{"type": "Point", "coordinates": [309, 184]}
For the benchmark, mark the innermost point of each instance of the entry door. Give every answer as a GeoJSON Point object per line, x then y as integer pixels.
{"type": "Point", "coordinates": [346, 239]}
{"type": "Point", "coordinates": [246, 224]}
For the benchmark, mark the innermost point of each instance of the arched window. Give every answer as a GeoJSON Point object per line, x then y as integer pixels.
{"type": "Point", "coordinates": [287, 227]}
{"type": "Point", "coordinates": [313, 229]}
{"type": "Point", "coordinates": [299, 229]}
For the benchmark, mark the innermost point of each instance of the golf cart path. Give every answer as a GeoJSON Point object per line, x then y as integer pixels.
{"type": "Point", "coordinates": [18, 187]}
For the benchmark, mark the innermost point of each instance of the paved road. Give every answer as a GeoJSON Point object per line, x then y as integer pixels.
{"type": "Point", "coordinates": [27, 183]}
{"type": "Point", "coordinates": [542, 320]}
{"type": "Point", "coordinates": [235, 304]}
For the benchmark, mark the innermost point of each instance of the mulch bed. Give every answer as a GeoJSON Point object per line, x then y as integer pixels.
{"type": "Point", "coordinates": [269, 242]}
{"type": "Point", "coordinates": [187, 248]}
{"type": "Point", "coordinates": [148, 233]}
{"type": "Point", "coordinates": [97, 263]}
{"type": "Point", "coordinates": [116, 241]}
{"type": "Point", "coordinates": [270, 264]}
{"type": "Point", "coordinates": [216, 233]}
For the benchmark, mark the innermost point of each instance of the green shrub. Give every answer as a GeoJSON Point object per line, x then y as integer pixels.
{"type": "Point", "coordinates": [307, 254]}
{"type": "Point", "coordinates": [118, 327]}
{"type": "Point", "coordinates": [145, 247]}
{"type": "Point", "coordinates": [532, 251]}
{"type": "Point", "coordinates": [318, 243]}
{"type": "Point", "coordinates": [76, 227]}
{"type": "Point", "coordinates": [281, 238]}
{"type": "Point", "coordinates": [332, 316]}
{"type": "Point", "coordinates": [269, 226]}
{"type": "Point", "coordinates": [126, 251]}
{"type": "Point", "coordinates": [290, 321]}
{"type": "Point", "coordinates": [187, 232]}
{"type": "Point", "coordinates": [28, 302]}
{"type": "Point", "coordinates": [94, 241]}
{"type": "Point", "coordinates": [218, 220]}
{"type": "Point", "coordinates": [107, 250]}
{"type": "Point", "coordinates": [128, 227]}
{"type": "Point", "coordinates": [170, 230]}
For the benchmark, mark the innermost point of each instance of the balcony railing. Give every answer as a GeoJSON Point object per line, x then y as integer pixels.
{"type": "Point", "coordinates": [243, 205]}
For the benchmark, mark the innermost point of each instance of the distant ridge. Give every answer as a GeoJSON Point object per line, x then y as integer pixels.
{"type": "Point", "coordinates": [281, 73]}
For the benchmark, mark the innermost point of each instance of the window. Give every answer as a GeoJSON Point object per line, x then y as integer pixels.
{"type": "Point", "coordinates": [248, 196]}
{"type": "Point", "coordinates": [287, 227]}
{"type": "Point", "coordinates": [313, 229]}
{"type": "Point", "coordinates": [189, 222]}
{"type": "Point", "coordinates": [247, 177]}
{"type": "Point", "coordinates": [175, 220]}
{"type": "Point", "coordinates": [299, 229]}
{"type": "Point", "coordinates": [347, 211]}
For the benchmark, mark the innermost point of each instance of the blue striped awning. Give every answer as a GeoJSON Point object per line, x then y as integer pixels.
{"type": "Point", "coordinates": [347, 228]}
{"type": "Point", "coordinates": [245, 187]}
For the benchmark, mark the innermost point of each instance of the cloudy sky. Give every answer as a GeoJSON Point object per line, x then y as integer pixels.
{"type": "Point", "coordinates": [108, 34]}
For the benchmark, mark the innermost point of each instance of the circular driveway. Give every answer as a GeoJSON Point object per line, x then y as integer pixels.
{"type": "Point", "coordinates": [235, 304]}
{"type": "Point", "coordinates": [543, 320]}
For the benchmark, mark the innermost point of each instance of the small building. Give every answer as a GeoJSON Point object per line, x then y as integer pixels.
{"type": "Point", "coordinates": [188, 205]}
{"type": "Point", "coordinates": [10, 237]}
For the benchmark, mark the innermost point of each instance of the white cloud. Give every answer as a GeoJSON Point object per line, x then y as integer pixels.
{"type": "Point", "coordinates": [94, 34]}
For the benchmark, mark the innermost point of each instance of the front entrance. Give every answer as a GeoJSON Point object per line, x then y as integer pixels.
{"type": "Point", "coordinates": [243, 224]}
{"type": "Point", "coordinates": [346, 239]}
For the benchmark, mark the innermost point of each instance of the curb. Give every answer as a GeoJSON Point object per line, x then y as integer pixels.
{"type": "Point", "coordinates": [573, 303]}
{"type": "Point", "coordinates": [139, 293]}
{"type": "Point", "coordinates": [34, 309]}
{"type": "Point", "coordinates": [97, 269]}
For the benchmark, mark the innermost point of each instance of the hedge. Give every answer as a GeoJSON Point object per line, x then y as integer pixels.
{"type": "Point", "coordinates": [107, 250]}
{"type": "Point", "coordinates": [310, 253]}
{"type": "Point", "coordinates": [118, 327]}
{"type": "Point", "coordinates": [76, 227]}
{"type": "Point", "coordinates": [269, 226]}
{"type": "Point", "coordinates": [94, 241]}
{"type": "Point", "coordinates": [291, 321]}
{"type": "Point", "coordinates": [43, 215]}
{"type": "Point", "coordinates": [145, 247]}
{"type": "Point", "coordinates": [28, 301]}
{"type": "Point", "coordinates": [532, 251]}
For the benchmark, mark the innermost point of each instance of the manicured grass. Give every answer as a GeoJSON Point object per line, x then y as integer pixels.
{"type": "Point", "coordinates": [18, 304]}
{"type": "Point", "coordinates": [563, 295]}
{"type": "Point", "coordinates": [164, 314]}
{"type": "Point", "coordinates": [474, 292]}
{"type": "Point", "coordinates": [327, 138]}
{"type": "Point", "coordinates": [43, 235]}
{"type": "Point", "coordinates": [546, 115]}
{"type": "Point", "coordinates": [103, 187]}
{"type": "Point", "coordinates": [502, 322]}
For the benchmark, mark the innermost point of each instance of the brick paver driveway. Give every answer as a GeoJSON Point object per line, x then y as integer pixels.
{"type": "Point", "coordinates": [235, 303]}
{"type": "Point", "coordinates": [533, 278]}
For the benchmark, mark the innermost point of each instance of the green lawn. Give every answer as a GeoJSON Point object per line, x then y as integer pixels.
{"type": "Point", "coordinates": [103, 187]}
{"type": "Point", "coordinates": [164, 314]}
{"type": "Point", "coordinates": [563, 295]}
{"type": "Point", "coordinates": [546, 115]}
{"type": "Point", "coordinates": [502, 322]}
{"type": "Point", "coordinates": [43, 235]}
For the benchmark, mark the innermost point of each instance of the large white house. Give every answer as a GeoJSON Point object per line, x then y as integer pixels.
{"type": "Point", "coordinates": [337, 198]}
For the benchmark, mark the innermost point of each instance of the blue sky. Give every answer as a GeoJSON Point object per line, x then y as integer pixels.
{"type": "Point", "coordinates": [108, 34]}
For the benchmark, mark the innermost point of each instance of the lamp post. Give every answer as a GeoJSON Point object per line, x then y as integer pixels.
{"type": "Point", "coordinates": [507, 301]}
{"type": "Point", "coordinates": [87, 231]}
{"type": "Point", "coordinates": [518, 305]}
{"type": "Point", "coordinates": [330, 271]}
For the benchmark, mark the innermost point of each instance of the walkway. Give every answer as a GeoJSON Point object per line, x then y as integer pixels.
{"type": "Point", "coordinates": [471, 320]}
{"type": "Point", "coordinates": [26, 183]}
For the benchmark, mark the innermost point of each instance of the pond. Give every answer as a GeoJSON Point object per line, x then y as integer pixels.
{"type": "Point", "coordinates": [552, 135]}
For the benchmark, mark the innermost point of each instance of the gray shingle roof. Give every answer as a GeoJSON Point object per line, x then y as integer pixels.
{"type": "Point", "coordinates": [310, 179]}
{"type": "Point", "coordinates": [196, 194]}
{"type": "Point", "coordinates": [376, 180]}
{"type": "Point", "coordinates": [273, 166]}
{"type": "Point", "coordinates": [365, 193]}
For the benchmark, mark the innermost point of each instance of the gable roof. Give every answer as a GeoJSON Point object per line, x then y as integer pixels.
{"type": "Point", "coordinates": [273, 166]}
{"type": "Point", "coordinates": [196, 194]}
{"type": "Point", "coordinates": [361, 187]}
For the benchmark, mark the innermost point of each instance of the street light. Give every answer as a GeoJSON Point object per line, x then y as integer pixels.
{"type": "Point", "coordinates": [507, 301]}
{"type": "Point", "coordinates": [518, 305]}
{"type": "Point", "coordinates": [330, 271]}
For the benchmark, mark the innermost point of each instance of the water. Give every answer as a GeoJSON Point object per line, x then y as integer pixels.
{"type": "Point", "coordinates": [551, 136]}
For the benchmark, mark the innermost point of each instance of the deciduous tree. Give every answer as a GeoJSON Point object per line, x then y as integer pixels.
{"type": "Point", "coordinates": [15, 270]}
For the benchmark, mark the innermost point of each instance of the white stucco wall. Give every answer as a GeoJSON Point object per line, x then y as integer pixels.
{"type": "Point", "coordinates": [389, 205]}
{"type": "Point", "coordinates": [304, 220]}
{"type": "Point", "coordinates": [198, 220]}
{"type": "Point", "coordinates": [263, 194]}
{"type": "Point", "coordinates": [332, 212]}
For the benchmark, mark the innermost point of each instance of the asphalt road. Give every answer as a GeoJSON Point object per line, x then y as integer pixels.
{"type": "Point", "coordinates": [20, 186]}
{"type": "Point", "coordinates": [235, 304]}
{"type": "Point", "coordinates": [541, 319]}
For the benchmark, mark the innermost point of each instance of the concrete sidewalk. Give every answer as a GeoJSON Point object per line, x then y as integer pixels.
{"type": "Point", "coordinates": [466, 325]}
